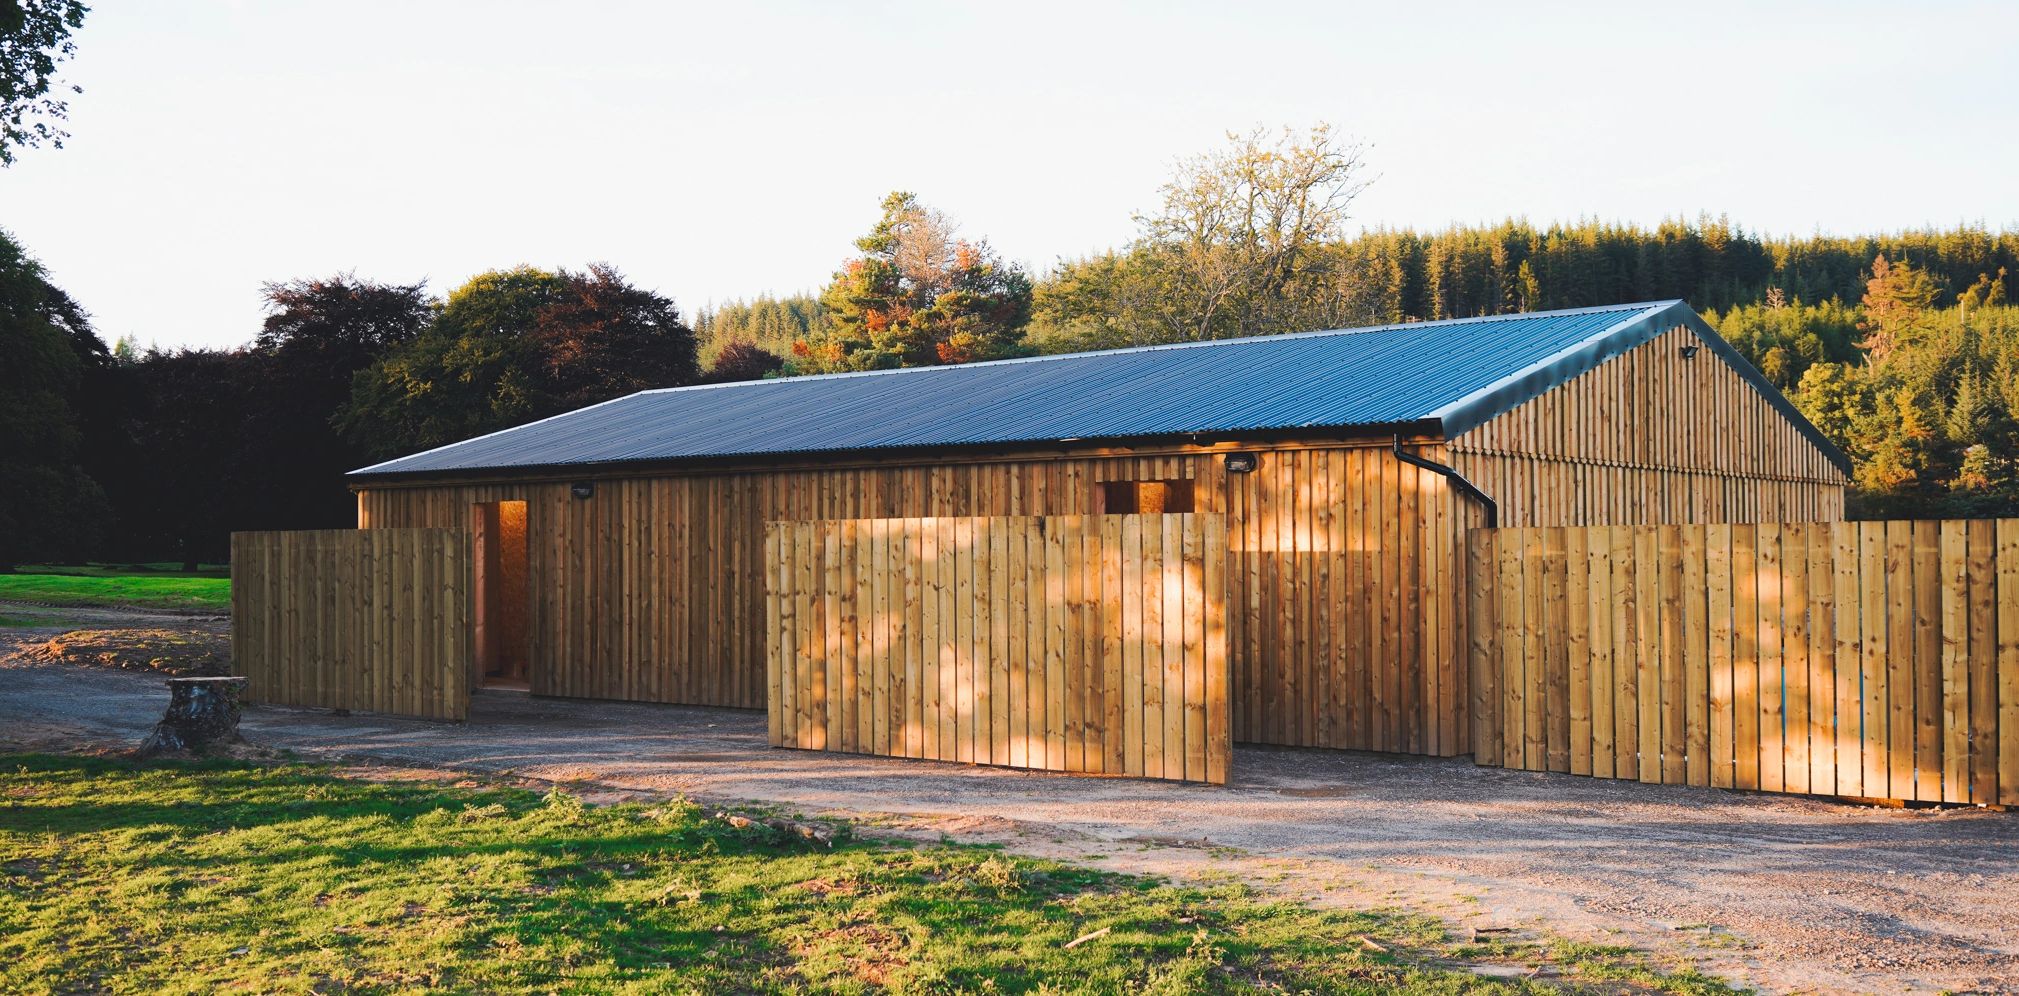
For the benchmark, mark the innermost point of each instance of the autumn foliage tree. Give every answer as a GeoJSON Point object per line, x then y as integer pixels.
{"type": "Point", "coordinates": [919, 295]}
{"type": "Point", "coordinates": [511, 346]}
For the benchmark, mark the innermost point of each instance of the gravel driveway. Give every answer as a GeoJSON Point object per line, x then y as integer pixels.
{"type": "Point", "coordinates": [1786, 893]}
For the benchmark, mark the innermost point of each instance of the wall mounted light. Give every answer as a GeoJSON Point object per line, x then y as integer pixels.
{"type": "Point", "coordinates": [582, 489]}
{"type": "Point", "coordinates": [1690, 351]}
{"type": "Point", "coordinates": [1243, 463]}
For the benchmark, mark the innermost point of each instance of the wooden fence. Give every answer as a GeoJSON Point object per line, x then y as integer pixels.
{"type": "Point", "coordinates": [1864, 659]}
{"type": "Point", "coordinates": [374, 620]}
{"type": "Point", "coordinates": [1083, 643]}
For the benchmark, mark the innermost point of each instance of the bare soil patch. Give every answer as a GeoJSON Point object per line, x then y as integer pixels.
{"type": "Point", "coordinates": [176, 652]}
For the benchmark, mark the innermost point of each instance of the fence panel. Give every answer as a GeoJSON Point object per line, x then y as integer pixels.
{"type": "Point", "coordinates": [1864, 659]}
{"type": "Point", "coordinates": [376, 620]}
{"type": "Point", "coordinates": [1093, 644]}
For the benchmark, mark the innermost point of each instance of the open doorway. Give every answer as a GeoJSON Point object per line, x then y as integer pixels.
{"type": "Point", "coordinates": [503, 596]}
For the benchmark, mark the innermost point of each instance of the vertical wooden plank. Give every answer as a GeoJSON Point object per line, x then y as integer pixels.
{"type": "Point", "coordinates": [1535, 653]}
{"type": "Point", "coordinates": [1132, 644]}
{"type": "Point", "coordinates": [932, 644]}
{"type": "Point", "coordinates": [1626, 653]}
{"type": "Point", "coordinates": [1515, 625]}
{"type": "Point", "coordinates": [1746, 587]}
{"type": "Point", "coordinates": [777, 623]}
{"type": "Point", "coordinates": [1672, 656]}
{"type": "Point", "coordinates": [1847, 631]}
{"type": "Point", "coordinates": [1983, 661]}
{"type": "Point", "coordinates": [956, 588]}
{"type": "Point", "coordinates": [1577, 654]}
{"type": "Point", "coordinates": [1899, 659]}
{"type": "Point", "coordinates": [1151, 676]}
{"type": "Point", "coordinates": [1390, 647]}
{"type": "Point", "coordinates": [840, 655]}
{"type": "Point", "coordinates": [1695, 662]}
{"type": "Point", "coordinates": [1061, 534]}
{"type": "Point", "coordinates": [1003, 576]}
{"type": "Point", "coordinates": [1514, 622]}
{"type": "Point", "coordinates": [854, 650]}
{"type": "Point", "coordinates": [1718, 592]}
{"type": "Point", "coordinates": [1604, 692]}
{"type": "Point", "coordinates": [1875, 662]}
{"type": "Point", "coordinates": [1272, 656]}
{"type": "Point", "coordinates": [1954, 720]}
{"type": "Point", "coordinates": [1772, 686]}
{"type": "Point", "coordinates": [981, 690]}
{"type": "Point", "coordinates": [1016, 628]}
{"type": "Point", "coordinates": [2007, 595]}
{"type": "Point", "coordinates": [1822, 723]}
{"type": "Point", "coordinates": [1171, 581]}
{"type": "Point", "coordinates": [803, 539]}
{"type": "Point", "coordinates": [1078, 654]}
{"type": "Point", "coordinates": [1927, 558]}
{"type": "Point", "coordinates": [880, 627]}
{"type": "Point", "coordinates": [1648, 580]}
{"type": "Point", "coordinates": [911, 623]}
{"type": "Point", "coordinates": [1112, 604]}
{"type": "Point", "coordinates": [1795, 657]}
{"type": "Point", "coordinates": [1192, 658]}
{"type": "Point", "coordinates": [1482, 631]}
{"type": "Point", "coordinates": [1219, 743]}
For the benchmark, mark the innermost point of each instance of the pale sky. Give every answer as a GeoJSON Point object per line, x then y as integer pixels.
{"type": "Point", "coordinates": [723, 150]}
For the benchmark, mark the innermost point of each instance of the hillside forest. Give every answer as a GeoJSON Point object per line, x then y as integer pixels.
{"type": "Point", "coordinates": [1903, 346]}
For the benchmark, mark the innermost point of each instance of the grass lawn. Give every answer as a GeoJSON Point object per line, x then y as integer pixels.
{"type": "Point", "coordinates": [224, 875]}
{"type": "Point", "coordinates": [143, 591]}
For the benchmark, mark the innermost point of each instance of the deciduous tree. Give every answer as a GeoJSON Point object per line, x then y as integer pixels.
{"type": "Point", "coordinates": [511, 346]}
{"type": "Point", "coordinates": [49, 507]}
{"type": "Point", "coordinates": [918, 295]}
{"type": "Point", "coordinates": [34, 38]}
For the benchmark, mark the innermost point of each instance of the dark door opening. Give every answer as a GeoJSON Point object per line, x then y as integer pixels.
{"type": "Point", "coordinates": [503, 596]}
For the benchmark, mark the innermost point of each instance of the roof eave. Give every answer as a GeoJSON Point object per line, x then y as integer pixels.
{"type": "Point", "coordinates": [1379, 431]}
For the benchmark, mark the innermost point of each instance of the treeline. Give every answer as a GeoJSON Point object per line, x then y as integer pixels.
{"type": "Point", "coordinates": [1462, 272]}
{"type": "Point", "coordinates": [161, 454]}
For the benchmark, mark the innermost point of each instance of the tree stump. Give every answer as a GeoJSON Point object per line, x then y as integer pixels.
{"type": "Point", "coordinates": [201, 712]}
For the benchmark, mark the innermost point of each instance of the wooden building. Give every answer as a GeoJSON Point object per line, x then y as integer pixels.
{"type": "Point", "coordinates": [621, 547]}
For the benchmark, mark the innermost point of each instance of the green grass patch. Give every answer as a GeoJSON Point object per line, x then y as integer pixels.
{"type": "Point", "coordinates": [140, 591]}
{"type": "Point", "coordinates": [223, 875]}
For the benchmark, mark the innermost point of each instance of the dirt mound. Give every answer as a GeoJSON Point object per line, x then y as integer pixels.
{"type": "Point", "coordinates": [181, 653]}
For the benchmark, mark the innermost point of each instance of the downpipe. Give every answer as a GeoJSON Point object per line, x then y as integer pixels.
{"type": "Point", "coordinates": [1458, 481]}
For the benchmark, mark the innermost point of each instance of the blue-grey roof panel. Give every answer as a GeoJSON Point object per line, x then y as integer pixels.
{"type": "Point", "coordinates": [1451, 371]}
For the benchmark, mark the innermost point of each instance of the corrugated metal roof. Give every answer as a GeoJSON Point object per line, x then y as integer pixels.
{"type": "Point", "coordinates": [1453, 373]}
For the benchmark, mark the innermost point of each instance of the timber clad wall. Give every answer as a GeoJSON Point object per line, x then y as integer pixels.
{"type": "Point", "coordinates": [1651, 437]}
{"type": "Point", "coordinates": [1871, 659]}
{"type": "Point", "coordinates": [1346, 582]}
{"type": "Point", "coordinates": [1084, 643]}
{"type": "Point", "coordinates": [1342, 614]}
{"type": "Point", "coordinates": [375, 620]}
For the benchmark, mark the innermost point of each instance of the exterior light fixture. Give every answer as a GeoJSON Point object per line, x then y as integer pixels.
{"type": "Point", "coordinates": [582, 489]}
{"type": "Point", "coordinates": [1690, 351]}
{"type": "Point", "coordinates": [1243, 463]}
